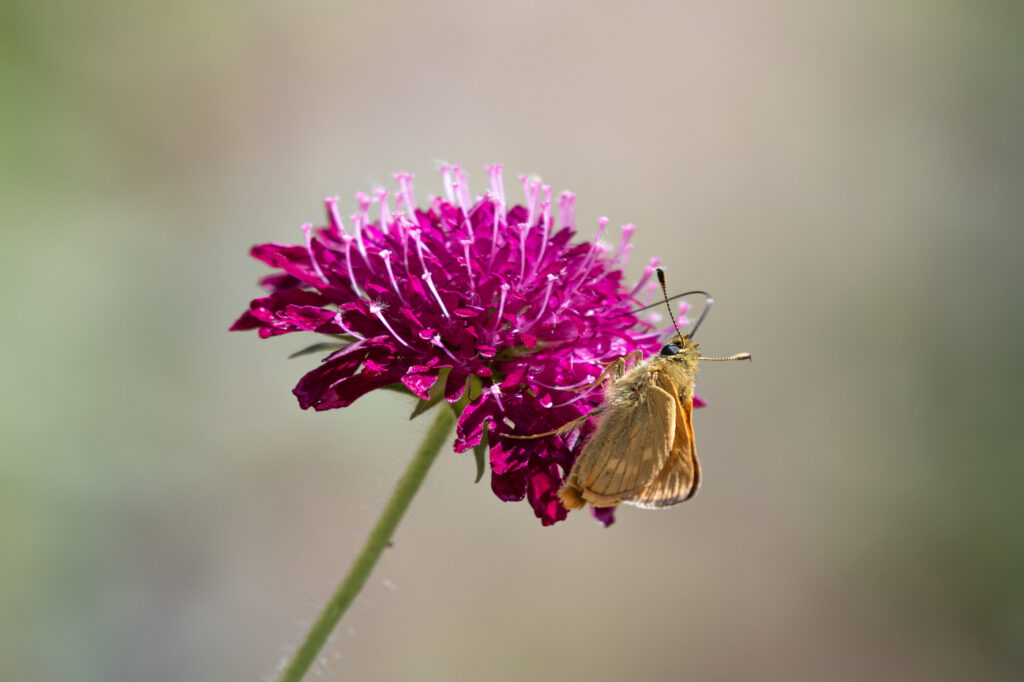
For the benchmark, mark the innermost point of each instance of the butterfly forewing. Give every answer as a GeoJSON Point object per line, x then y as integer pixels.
{"type": "Point", "coordinates": [680, 477]}
{"type": "Point", "coordinates": [631, 445]}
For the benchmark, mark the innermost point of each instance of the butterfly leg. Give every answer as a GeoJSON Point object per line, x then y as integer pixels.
{"type": "Point", "coordinates": [564, 428]}
{"type": "Point", "coordinates": [616, 367]}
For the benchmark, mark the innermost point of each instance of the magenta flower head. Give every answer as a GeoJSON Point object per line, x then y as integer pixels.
{"type": "Point", "coordinates": [490, 307]}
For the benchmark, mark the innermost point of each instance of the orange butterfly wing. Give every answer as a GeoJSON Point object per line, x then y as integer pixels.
{"type": "Point", "coordinates": [631, 445]}
{"type": "Point", "coordinates": [679, 479]}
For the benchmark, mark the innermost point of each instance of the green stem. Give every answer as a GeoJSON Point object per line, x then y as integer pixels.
{"type": "Point", "coordinates": [375, 544]}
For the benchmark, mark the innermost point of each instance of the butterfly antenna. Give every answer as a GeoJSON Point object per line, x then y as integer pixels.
{"type": "Point", "coordinates": [704, 313]}
{"type": "Point", "coordinates": [738, 356]}
{"type": "Point", "coordinates": [664, 293]}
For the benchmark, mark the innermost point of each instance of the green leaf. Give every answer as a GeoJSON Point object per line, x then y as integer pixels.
{"type": "Point", "coordinates": [480, 452]}
{"type": "Point", "coordinates": [398, 388]}
{"type": "Point", "coordinates": [316, 348]}
{"type": "Point", "coordinates": [436, 394]}
{"type": "Point", "coordinates": [424, 405]}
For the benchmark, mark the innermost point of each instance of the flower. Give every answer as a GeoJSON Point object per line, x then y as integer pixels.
{"type": "Point", "coordinates": [492, 307]}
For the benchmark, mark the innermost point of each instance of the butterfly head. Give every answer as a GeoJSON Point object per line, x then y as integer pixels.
{"type": "Point", "coordinates": [680, 345]}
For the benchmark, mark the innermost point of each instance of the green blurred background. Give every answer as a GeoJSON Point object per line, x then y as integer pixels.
{"type": "Point", "coordinates": [847, 179]}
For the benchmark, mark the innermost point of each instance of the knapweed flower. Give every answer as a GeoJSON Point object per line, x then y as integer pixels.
{"type": "Point", "coordinates": [493, 307]}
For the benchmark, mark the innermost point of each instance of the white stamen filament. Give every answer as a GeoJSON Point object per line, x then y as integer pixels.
{"type": "Point", "coordinates": [602, 223]}
{"type": "Point", "coordinates": [524, 230]}
{"type": "Point", "coordinates": [386, 256]}
{"type": "Point", "coordinates": [357, 222]}
{"type": "Point", "coordinates": [446, 177]}
{"type": "Point", "coordinates": [332, 211]}
{"type": "Point", "coordinates": [501, 306]}
{"type": "Point", "coordinates": [430, 283]}
{"type": "Point", "coordinates": [385, 209]}
{"type": "Point", "coordinates": [364, 204]}
{"type": "Point", "coordinates": [436, 340]}
{"type": "Point", "coordinates": [627, 231]}
{"type": "Point", "coordinates": [651, 288]}
{"type": "Point", "coordinates": [419, 248]}
{"type": "Point", "coordinates": [339, 320]}
{"type": "Point", "coordinates": [495, 390]}
{"type": "Point", "coordinates": [307, 230]}
{"type": "Point", "coordinates": [464, 196]}
{"type": "Point", "coordinates": [469, 268]}
{"type": "Point", "coordinates": [547, 297]}
{"type": "Point", "coordinates": [460, 195]}
{"type": "Point", "coordinates": [405, 189]}
{"type": "Point", "coordinates": [648, 271]}
{"type": "Point", "coordinates": [376, 311]}
{"type": "Point", "coordinates": [498, 198]}
{"type": "Point", "coordinates": [588, 262]}
{"type": "Point", "coordinates": [566, 208]}
{"type": "Point", "coordinates": [348, 264]}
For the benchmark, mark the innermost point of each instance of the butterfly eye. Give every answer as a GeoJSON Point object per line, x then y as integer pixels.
{"type": "Point", "coordinates": [670, 349]}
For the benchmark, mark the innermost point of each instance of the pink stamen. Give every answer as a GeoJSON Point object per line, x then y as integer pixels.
{"type": "Point", "coordinates": [583, 394]}
{"type": "Point", "coordinates": [415, 234]}
{"type": "Point", "coordinates": [497, 182]}
{"type": "Point", "coordinates": [461, 195]}
{"type": "Point", "coordinates": [339, 320]}
{"type": "Point", "coordinates": [579, 396]}
{"type": "Point", "coordinates": [499, 215]}
{"type": "Point", "coordinates": [624, 258]}
{"type": "Point", "coordinates": [597, 249]}
{"type": "Point", "coordinates": [651, 288]}
{"type": "Point", "coordinates": [375, 309]}
{"type": "Point", "coordinates": [334, 217]}
{"type": "Point", "coordinates": [585, 382]}
{"type": "Point", "coordinates": [357, 227]}
{"type": "Point", "coordinates": [495, 390]}
{"type": "Point", "coordinates": [446, 178]}
{"type": "Point", "coordinates": [405, 193]}
{"type": "Point", "coordinates": [588, 263]}
{"type": "Point", "coordinates": [403, 225]}
{"type": "Point", "coordinates": [436, 340]}
{"type": "Point", "coordinates": [524, 229]}
{"type": "Point", "coordinates": [469, 268]}
{"type": "Point", "coordinates": [545, 221]}
{"type": "Point", "coordinates": [386, 256]}
{"type": "Point", "coordinates": [648, 271]}
{"type": "Point", "coordinates": [627, 231]}
{"type": "Point", "coordinates": [400, 206]}
{"type": "Point", "coordinates": [307, 230]}
{"type": "Point", "coordinates": [501, 306]}
{"type": "Point", "coordinates": [567, 209]}
{"type": "Point", "coordinates": [430, 283]}
{"type": "Point", "coordinates": [465, 199]}
{"type": "Point", "coordinates": [348, 239]}
{"type": "Point", "coordinates": [547, 297]}
{"type": "Point", "coordinates": [385, 210]}
{"type": "Point", "coordinates": [531, 189]}
{"type": "Point", "coordinates": [364, 204]}
{"type": "Point", "coordinates": [545, 210]}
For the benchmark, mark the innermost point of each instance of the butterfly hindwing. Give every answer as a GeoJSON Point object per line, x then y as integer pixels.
{"type": "Point", "coordinates": [631, 445]}
{"type": "Point", "coordinates": [679, 478]}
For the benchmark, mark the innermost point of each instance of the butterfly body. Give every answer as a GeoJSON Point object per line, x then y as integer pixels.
{"type": "Point", "coordinates": [642, 452]}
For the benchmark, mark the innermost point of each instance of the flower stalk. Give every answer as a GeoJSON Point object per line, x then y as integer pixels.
{"type": "Point", "coordinates": [377, 541]}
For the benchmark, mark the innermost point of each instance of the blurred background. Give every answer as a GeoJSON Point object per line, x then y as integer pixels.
{"type": "Point", "coordinates": [846, 179]}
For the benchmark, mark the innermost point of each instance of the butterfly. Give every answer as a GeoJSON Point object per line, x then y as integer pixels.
{"type": "Point", "coordinates": [642, 452]}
